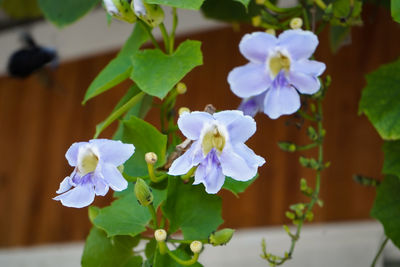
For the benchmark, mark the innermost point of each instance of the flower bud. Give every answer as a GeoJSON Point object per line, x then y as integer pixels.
{"type": "Point", "coordinates": [160, 235]}
{"type": "Point", "coordinates": [153, 15]}
{"type": "Point", "coordinates": [221, 237]}
{"type": "Point", "coordinates": [296, 23]}
{"type": "Point", "coordinates": [196, 246]}
{"type": "Point", "coordinates": [143, 193]}
{"type": "Point", "coordinates": [271, 31]}
{"type": "Point", "coordinates": [181, 88]}
{"type": "Point", "coordinates": [183, 110]}
{"type": "Point", "coordinates": [150, 158]}
{"type": "Point", "coordinates": [120, 9]}
{"type": "Point", "coordinates": [256, 21]}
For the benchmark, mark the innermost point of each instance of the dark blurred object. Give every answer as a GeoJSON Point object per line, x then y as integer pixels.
{"type": "Point", "coordinates": [29, 59]}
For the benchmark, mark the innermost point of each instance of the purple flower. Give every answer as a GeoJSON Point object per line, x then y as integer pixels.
{"type": "Point", "coordinates": [95, 171]}
{"type": "Point", "coordinates": [218, 149]}
{"type": "Point", "coordinates": [278, 68]}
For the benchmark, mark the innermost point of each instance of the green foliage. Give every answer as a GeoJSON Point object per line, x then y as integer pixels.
{"type": "Point", "coordinates": [183, 252]}
{"type": "Point", "coordinates": [338, 35]}
{"type": "Point", "coordinates": [62, 13]}
{"type": "Point", "coordinates": [380, 100]}
{"type": "Point", "coordinates": [184, 4]}
{"type": "Point", "coordinates": [230, 10]}
{"type": "Point", "coordinates": [157, 73]}
{"type": "Point", "coordinates": [244, 2]}
{"type": "Point", "coordinates": [391, 165]}
{"type": "Point", "coordinates": [395, 10]}
{"type": "Point", "coordinates": [125, 216]}
{"type": "Point", "coordinates": [118, 69]}
{"type": "Point", "coordinates": [191, 209]}
{"type": "Point", "coordinates": [146, 139]}
{"type": "Point", "coordinates": [386, 208]}
{"type": "Point", "coordinates": [21, 9]}
{"type": "Point", "coordinates": [344, 12]}
{"type": "Point", "coordinates": [101, 251]}
{"type": "Point", "coordinates": [237, 187]}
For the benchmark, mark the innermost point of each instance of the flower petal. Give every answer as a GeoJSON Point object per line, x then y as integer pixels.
{"type": "Point", "coordinates": [65, 185]}
{"type": "Point", "coordinates": [100, 186]}
{"type": "Point", "coordinates": [251, 106]}
{"type": "Point", "coordinates": [300, 44]}
{"type": "Point", "coordinates": [184, 163]}
{"type": "Point", "coordinates": [72, 153]}
{"type": "Point", "coordinates": [239, 126]}
{"type": "Point", "coordinates": [79, 197]}
{"type": "Point", "coordinates": [112, 176]}
{"type": "Point", "coordinates": [249, 80]}
{"type": "Point", "coordinates": [282, 100]}
{"type": "Point", "coordinates": [310, 67]}
{"type": "Point", "coordinates": [192, 123]}
{"type": "Point", "coordinates": [255, 46]}
{"type": "Point", "coordinates": [209, 173]}
{"type": "Point", "coordinates": [234, 166]}
{"type": "Point", "coordinates": [112, 151]}
{"type": "Point", "coordinates": [305, 84]}
{"type": "Point", "coordinates": [253, 160]}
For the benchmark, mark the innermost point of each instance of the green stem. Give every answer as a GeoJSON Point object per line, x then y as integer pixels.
{"type": "Point", "coordinates": [187, 176]}
{"type": "Point", "coordinates": [118, 113]}
{"type": "Point", "coordinates": [153, 215]}
{"type": "Point", "coordinates": [320, 3]}
{"type": "Point", "coordinates": [192, 261]}
{"type": "Point", "coordinates": [306, 147]}
{"type": "Point", "coordinates": [150, 34]}
{"type": "Point", "coordinates": [306, 19]}
{"type": "Point", "coordinates": [382, 246]}
{"type": "Point", "coordinates": [172, 36]}
{"type": "Point", "coordinates": [165, 37]}
{"type": "Point", "coordinates": [306, 116]}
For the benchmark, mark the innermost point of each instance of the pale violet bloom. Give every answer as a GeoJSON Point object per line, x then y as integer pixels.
{"type": "Point", "coordinates": [95, 171]}
{"type": "Point", "coordinates": [279, 69]}
{"type": "Point", "coordinates": [218, 148]}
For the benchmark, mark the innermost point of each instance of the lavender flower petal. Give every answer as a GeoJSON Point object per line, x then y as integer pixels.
{"type": "Point", "coordinates": [112, 151]}
{"type": "Point", "coordinates": [113, 177]}
{"type": "Point", "coordinates": [72, 153]}
{"type": "Point", "coordinates": [240, 127]}
{"type": "Point", "coordinates": [192, 123]}
{"type": "Point", "coordinates": [300, 44]}
{"type": "Point", "coordinates": [305, 84]}
{"type": "Point", "coordinates": [310, 67]}
{"type": "Point", "coordinates": [79, 197]}
{"type": "Point", "coordinates": [252, 105]}
{"type": "Point", "coordinates": [255, 46]}
{"type": "Point", "coordinates": [185, 162]}
{"type": "Point", "coordinates": [234, 166]}
{"type": "Point", "coordinates": [209, 173]}
{"type": "Point", "coordinates": [282, 100]}
{"type": "Point", "coordinates": [65, 185]}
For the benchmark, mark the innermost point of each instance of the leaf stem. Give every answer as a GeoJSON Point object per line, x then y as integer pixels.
{"type": "Point", "coordinates": [153, 215]}
{"type": "Point", "coordinates": [320, 3]}
{"type": "Point", "coordinates": [174, 25]}
{"type": "Point", "coordinates": [189, 262]}
{"type": "Point", "coordinates": [149, 33]}
{"type": "Point", "coordinates": [379, 252]}
{"type": "Point", "coordinates": [165, 37]}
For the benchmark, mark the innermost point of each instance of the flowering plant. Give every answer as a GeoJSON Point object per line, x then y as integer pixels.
{"type": "Point", "coordinates": [164, 184]}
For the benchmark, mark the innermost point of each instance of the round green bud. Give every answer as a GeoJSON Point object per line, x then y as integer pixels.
{"type": "Point", "coordinates": [256, 21]}
{"type": "Point", "coordinates": [143, 193]}
{"type": "Point", "coordinates": [151, 14]}
{"type": "Point", "coordinates": [183, 110]}
{"type": "Point", "coordinates": [120, 9]}
{"type": "Point", "coordinates": [271, 31]}
{"type": "Point", "coordinates": [196, 246]}
{"type": "Point", "coordinates": [221, 237]}
{"type": "Point", "coordinates": [296, 23]}
{"type": "Point", "coordinates": [150, 158]}
{"type": "Point", "coordinates": [181, 88]}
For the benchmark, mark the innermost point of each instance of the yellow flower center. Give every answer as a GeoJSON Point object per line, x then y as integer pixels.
{"type": "Point", "coordinates": [279, 62]}
{"type": "Point", "coordinates": [213, 139]}
{"type": "Point", "coordinates": [87, 162]}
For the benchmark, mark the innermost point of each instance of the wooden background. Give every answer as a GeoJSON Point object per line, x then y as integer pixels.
{"type": "Point", "coordinates": [38, 122]}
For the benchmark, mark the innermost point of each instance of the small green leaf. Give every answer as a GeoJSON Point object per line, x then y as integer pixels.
{"type": "Point", "coordinates": [244, 2]}
{"type": "Point", "coordinates": [184, 4]}
{"type": "Point", "coordinates": [118, 69]}
{"type": "Point", "coordinates": [125, 216]}
{"type": "Point", "coordinates": [66, 12]}
{"type": "Point", "coordinates": [146, 138]}
{"type": "Point", "coordinates": [157, 73]}
{"type": "Point", "coordinates": [237, 187]}
{"type": "Point", "coordinates": [391, 165]}
{"type": "Point", "coordinates": [339, 36]}
{"type": "Point", "coordinates": [379, 100]}
{"type": "Point", "coordinates": [230, 10]}
{"type": "Point", "coordinates": [386, 208]}
{"type": "Point", "coordinates": [191, 209]}
{"type": "Point", "coordinates": [101, 251]}
{"type": "Point", "coordinates": [395, 10]}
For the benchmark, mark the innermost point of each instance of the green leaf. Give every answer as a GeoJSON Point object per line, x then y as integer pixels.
{"type": "Point", "coordinates": [183, 252]}
{"type": "Point", "coordinates": [21, 9]}
{"type": "Point", "coordinates": [157, 73]}
{"type": "Point", "coordinates": [62, 13]}
{"type": "Point", "coordinates": [386, 208]}
{"type": "Point", "coordinates": [237, 187]}
{"type": "Point", "coordinates": [391, 165]}
{"type": "Point", "coordinates": [184, 4]}
{"type": "Point", "coordinates": [125, 216]}
{"type": "Point", "coordinates": [380, 100]}
{"type": "Point", "coordinates": [120, 67]}
{"type": "Point", "coordinates": [244, 2]}
{"type": "Point", "coordinates": [191, 209]}
{"type": "Point", "coordinates": [101, 251]}
{"type": "Point", "coordinates": [395, 10]}
{"type": "Point", "coordinates": [338, 37]}
{"type": "Point", "coordinates": [230, 10]}
{"type": "Point", "coordinates": [146, 138]}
